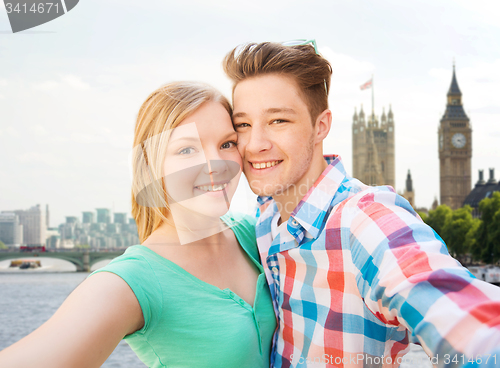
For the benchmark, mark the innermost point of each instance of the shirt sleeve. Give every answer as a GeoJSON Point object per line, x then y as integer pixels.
{"type": "Point", "coordinates": [407, 277]}
{"type": "Point", "coordinates": [140, 277]}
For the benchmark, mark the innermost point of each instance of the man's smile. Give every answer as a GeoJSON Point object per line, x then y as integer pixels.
{"type": "Point", "coordinates": [265, 165]}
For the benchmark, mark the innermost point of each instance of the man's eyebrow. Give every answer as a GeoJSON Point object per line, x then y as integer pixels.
{"type": "Point", "coordinates": [239, 115]}
{"type": "Point", "coordinates": [272, 110]}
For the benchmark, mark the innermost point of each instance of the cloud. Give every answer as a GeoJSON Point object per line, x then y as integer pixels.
{"type": "Point", "coordinates": [46, 86]}
{"type": "Point", "coordinates": [485, 10]}
{"type": "Point", "coordinates": [87, 138]}
{"type": "Point", "coordinates": [345, 66]}
{"type": "Point", "coordinates": [38, 130]}
{"type": "Point", "coordinates": [478, 83]}
{"type": "Point", "coordinates": [41, 158]}
{"type": "Point", "coordinates": [11, 131]}
{"type": "Point", "coordinates": [3, 83]}
{"type": "Point", "coordinates": [75, 82]}
{"type": "Point", "coordinates": [68, 80]}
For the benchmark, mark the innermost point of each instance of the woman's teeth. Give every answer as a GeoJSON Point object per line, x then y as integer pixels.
{"type": "Point", "coordinates": [212, 188]}
{"type": "Point", "coordinates": [265, 165]}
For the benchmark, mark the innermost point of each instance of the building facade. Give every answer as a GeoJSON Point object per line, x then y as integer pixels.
{"type": "Point", "coordinates": [34, 225]}
{"type": "Point", "coordinates": [455, 149]}
{"type": "Point", "coordinates": [373, 151]}
{"type": "Point", "coordinates": [483, 189]}
{"type": "Point", "coordinates": [11, 230]}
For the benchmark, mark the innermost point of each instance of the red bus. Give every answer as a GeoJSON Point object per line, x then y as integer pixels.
{"type": "Point", "coordinates": [32, 248]}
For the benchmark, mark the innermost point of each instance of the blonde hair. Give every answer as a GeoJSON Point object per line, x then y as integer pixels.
{"type": "Point", "coordinates": [162, 111]}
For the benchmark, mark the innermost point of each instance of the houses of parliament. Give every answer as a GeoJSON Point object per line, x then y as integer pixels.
{"type": "Point", "coordinates": [373, 150]}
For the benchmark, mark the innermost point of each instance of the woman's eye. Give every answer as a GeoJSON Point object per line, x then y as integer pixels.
{"type": "Point", "coordinates": [278, 121]}
{"type": "Point", "coordinates": [229, 144]}
{"type": "Point", "coordinates": [186, 151]}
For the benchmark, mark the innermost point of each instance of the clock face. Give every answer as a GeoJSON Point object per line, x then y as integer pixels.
{"type": "Point", "coordinates": [458, 140]}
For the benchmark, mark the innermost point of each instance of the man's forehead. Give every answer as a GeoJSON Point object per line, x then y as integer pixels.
{"type": "Point", "coordinates": [267, 94]}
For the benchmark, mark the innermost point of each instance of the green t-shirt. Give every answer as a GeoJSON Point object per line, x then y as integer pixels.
{"type": "Point", "coordinates": [190, 323]}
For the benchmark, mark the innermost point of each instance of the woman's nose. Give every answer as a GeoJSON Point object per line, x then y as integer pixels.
{"type": "Point", "coordinates": [215, 166]}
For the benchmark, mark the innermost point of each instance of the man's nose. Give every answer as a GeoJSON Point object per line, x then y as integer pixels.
{"type": "Point", "coordinates": [257, 140]}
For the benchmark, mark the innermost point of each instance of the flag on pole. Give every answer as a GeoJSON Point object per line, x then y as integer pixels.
{"type": "Point", "coordinates": [366, 85]}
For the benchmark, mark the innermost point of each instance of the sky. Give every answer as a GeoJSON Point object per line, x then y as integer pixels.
{"type": "Point", "coordinates": [70, 89]}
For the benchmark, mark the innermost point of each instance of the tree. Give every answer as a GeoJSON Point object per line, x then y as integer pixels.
{"type": "Point", "coordinates": [488, 234]}
{"type": "Point", "coordinates": [458, 232]}
{"type": "Point", "coordinates": [2, 245]}
{"type": "Point", "coordinates": [423, 216]}
{"type": "Point", "coordinates": [437, 218]}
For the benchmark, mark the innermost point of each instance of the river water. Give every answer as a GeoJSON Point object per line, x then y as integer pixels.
{"type": "Point", "coordinates": [29, 297]}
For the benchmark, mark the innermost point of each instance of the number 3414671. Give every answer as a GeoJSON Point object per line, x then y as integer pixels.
{"type": "Point", "coordinates": [34, 8]}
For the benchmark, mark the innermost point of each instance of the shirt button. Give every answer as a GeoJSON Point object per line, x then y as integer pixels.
{"type": "Point", "coordinates": [231, 294]}
{"type": "Point", "coordinates": [242, 302]}
{"type": "Point", "coordinates": [274, 269]}
{"type": "Point", "coordinates": [295, 223]}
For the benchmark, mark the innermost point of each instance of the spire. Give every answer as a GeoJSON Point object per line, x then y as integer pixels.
{"type": "Point", "coordinates": [355, 117]}
{"type": "Point", "coordinates": [454, 90]}
{"type": "Point", "coordinates": [389, 114]}
{"type": "Point", "coordinates": [454, 107]}
{"type": "Point", "coordinates": [409, 182]}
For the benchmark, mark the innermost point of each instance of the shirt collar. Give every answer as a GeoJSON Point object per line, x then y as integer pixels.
{"type": "Point", "coordinates": [310, 213]}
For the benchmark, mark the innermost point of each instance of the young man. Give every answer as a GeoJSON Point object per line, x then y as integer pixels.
{"type": "Point", "coordinates": [354, 273]}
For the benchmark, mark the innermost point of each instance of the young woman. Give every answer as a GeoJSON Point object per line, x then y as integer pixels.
{"type": "Point", "coordinates": [193, 294]}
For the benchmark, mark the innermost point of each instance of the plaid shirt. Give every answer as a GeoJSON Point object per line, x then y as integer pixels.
{"type": "Point", "coordinates": [355, 275]}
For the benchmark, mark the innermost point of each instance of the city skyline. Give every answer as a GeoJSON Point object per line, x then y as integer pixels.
{"type": "Point", "coordinates": [70, 89]}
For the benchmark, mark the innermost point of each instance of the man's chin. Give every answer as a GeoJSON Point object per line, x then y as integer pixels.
{"type": "Point", "coordinates": [267, 192]}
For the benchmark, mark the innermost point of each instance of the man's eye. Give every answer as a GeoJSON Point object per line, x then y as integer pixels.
{"type": "Point", "coordinates": [229, 144]}
{"type": "Point", "coordinates": [186, 151]}
{"type": "Point", "coordinates": [241, 125]}
{"type": "Point", "coordinates": [278, 121]}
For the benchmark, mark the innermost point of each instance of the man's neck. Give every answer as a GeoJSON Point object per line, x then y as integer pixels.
{"type": "Point", "coordinates": [291, 197]}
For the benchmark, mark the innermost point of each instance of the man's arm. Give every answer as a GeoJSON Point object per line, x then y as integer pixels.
{"type": "Point", "coordinates": [408, 278]}
{"type": "Point", "coordinates": [85, 329]}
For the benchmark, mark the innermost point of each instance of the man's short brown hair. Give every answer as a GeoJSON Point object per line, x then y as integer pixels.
{"type": "Point", "coordinates": [309, 70]}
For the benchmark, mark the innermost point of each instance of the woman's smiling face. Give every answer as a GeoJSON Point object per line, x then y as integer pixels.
{"type": "Point", "coordinates": [202, 165]}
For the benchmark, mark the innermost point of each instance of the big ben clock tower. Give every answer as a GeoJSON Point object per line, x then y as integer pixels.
{"type": "Point", "coordinates": [455, 149]}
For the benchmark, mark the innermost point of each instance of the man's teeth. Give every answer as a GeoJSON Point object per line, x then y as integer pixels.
{"type": "Point", "coordinates": [212, 188]}
{"type": "Point", "coordinates": [265, 165]}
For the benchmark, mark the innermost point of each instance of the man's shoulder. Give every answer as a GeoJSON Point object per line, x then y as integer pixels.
{"type": "Point", "coordinates": [363, 198]}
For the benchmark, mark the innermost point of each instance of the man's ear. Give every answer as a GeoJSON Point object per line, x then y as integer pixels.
{"type": "Point", "coordinates": [322, 126]}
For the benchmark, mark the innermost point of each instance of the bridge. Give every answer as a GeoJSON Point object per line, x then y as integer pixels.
{"type": "Point", "coordinates": [83, 259]}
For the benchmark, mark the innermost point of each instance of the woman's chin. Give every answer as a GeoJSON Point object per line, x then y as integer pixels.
{"type": "Point", "coordinates": [208, 204]}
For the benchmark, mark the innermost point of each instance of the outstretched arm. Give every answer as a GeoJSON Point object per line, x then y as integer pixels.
{"type": "Point", "coordinates": [408, 278]}
{"type": "Point", "coordinates": [85, 329]}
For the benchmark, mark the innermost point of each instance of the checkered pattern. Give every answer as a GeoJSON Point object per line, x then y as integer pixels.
{"type": "Point", "coordinates": [356, 275]}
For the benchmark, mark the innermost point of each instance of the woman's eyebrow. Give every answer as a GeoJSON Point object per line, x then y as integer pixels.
{"type": "Point", "coordinates": [186, 138]}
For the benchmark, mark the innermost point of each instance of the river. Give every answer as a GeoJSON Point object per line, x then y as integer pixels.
{"type": "Point", "coordinates": [29, 297]}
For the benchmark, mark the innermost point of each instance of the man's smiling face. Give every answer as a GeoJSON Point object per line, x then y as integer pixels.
{"type": "Point", "coordinates": [276, 137]}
